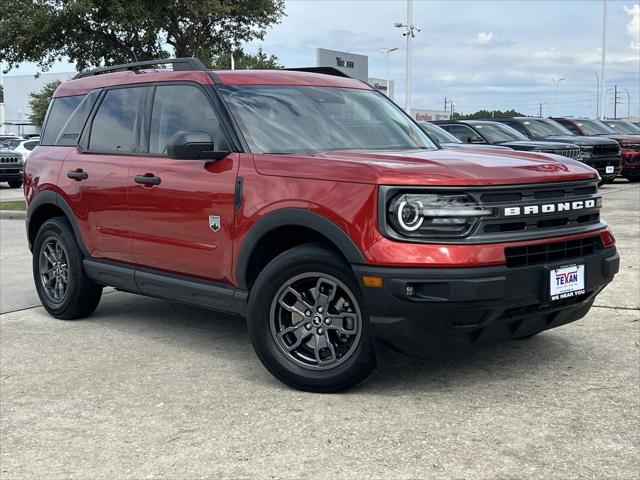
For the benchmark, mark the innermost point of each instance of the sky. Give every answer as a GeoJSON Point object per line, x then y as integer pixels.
{"type": "Point", "coordinates": [498, 54]}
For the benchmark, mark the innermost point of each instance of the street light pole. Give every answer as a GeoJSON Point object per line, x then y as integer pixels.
{"type": "Point", "coordinates": [385, 53]}
{"type": "Point", "coordinates": [597, 94]}
{"type": "Point", "coordinates": [604, 58]}
{"type": "Point", "coordinates": [409, 32]}
{"type": "Point", "coordinates": [557, 82]}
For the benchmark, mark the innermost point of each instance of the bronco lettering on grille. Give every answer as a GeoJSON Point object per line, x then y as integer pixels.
{"type": "Point", "coordinates": [549, 208]}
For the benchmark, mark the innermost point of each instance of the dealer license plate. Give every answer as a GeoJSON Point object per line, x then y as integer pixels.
{"type": "Point", "coordinates": [610, 169]}
{"type": "Point", "coordinates": [566, 282]}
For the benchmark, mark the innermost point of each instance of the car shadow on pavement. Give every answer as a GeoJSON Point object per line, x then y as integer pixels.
{"type": "Point", "coordinates": [221, 336]}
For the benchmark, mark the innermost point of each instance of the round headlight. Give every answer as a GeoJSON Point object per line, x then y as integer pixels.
{"type": "Point", "coordinates": [409, 215]}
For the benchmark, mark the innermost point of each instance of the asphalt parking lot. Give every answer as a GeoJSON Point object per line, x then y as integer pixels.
{"type": "Point", "coordinates": [151, 389]}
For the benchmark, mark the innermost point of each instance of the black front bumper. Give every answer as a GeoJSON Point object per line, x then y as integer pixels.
{"type": "Point", "coordinates": [462, 307]}
{"type": "Point", "coordinates": [10, 174]}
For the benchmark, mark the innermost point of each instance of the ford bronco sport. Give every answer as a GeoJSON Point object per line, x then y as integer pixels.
{"type": "Point", "coordinates": [311, 205]}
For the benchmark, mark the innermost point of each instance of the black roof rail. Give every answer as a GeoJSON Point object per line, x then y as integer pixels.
{"type": "Point", "coordinates": [323, 70]}
{"type": "Point", "coordinates": [179, 64]}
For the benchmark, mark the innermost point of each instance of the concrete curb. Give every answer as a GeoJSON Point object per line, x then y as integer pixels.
{"type": "Point", "coordinates": [13, 214]}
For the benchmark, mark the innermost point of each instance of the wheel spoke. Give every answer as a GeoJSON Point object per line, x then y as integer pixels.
{"type": "Point", "coordinates": [324, 296]}
{"type": "Point", "coordinates": [299, 332]}
{"type": "Point", "coordinates": [299, 306]}
{"type": "Point", "coordinates": [337, 323]}
{"type": "Point", "coordinates": [322, 343]}
{"type": "Point", "coordinates": [48, 255]}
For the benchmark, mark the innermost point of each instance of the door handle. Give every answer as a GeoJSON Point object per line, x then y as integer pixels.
{"type": "Point", "coordinates": [78, 174]}
{"type": "Point", "coordinates": [147, 179]}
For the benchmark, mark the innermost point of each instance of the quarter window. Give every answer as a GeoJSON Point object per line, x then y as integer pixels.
{"type": "Point", "coordinates": [59, 112]}
{"type": "Point", "coordinates": [182, 108]}
{"type": "Point", "coordinates": [115, 126]}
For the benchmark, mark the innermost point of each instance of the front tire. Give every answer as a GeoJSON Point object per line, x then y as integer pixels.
{"type": "Point", "coordinates": [62, 285]}
{"type": "Point", "coordinates": [307, 321]}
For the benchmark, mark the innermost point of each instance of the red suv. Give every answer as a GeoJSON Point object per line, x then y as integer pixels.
{"type": "Point", "coordinates": [311, 205]}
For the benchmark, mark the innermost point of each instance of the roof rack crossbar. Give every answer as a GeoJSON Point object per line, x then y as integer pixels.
{"type": "Point", "coordinates": [179, 64]}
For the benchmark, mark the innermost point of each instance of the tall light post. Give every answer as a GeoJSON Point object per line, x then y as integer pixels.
{"type": "Point", "coordinates": [597, 94]}
{"type": "Point", "coordinates": [604, 59]}
{"type": "Point", "coordinates": [542, 104]}
{"type": "Point", "coordinates": [385, 53]}
{"type": "Point", "coordinates": [409, 32]}
{"type": "Point", "coordinates": [557, 82]}
{"type": "Point", "coordinates": [604, 108]}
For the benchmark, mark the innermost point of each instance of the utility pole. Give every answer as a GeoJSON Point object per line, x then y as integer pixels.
{"type": "Point", "coordinates": [615, 102]}
{"type": "Point", "coordinates": [445, 104]}
{"type": "Point", "coordinates": [628, 104]}
{"type": "Point", "coordinates": [540, 114]}
{"type": "Point", "coordinates": [604, 59]}
{"type": "Point", "coordinates": [597, 94]}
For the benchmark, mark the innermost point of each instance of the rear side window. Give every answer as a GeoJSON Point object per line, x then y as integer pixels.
{"type": "Point", "coordinates": [59, 112]}
{"type": "Point", "coordinates": [181, 108]}
{"type": "Point", "coordinates": [115, 125]}
{"type": "Point", "coordinates": [30, 145]}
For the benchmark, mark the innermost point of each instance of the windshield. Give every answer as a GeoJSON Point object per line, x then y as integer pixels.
{"type": "Point", "coordinates": [593, 127]}
{"type": "Point", "coordinates": [545, 128]}
{"type": "Point", "coordinates": [624, 128]}
{"type": "Point", "coordinates": [11, 144]}
{"type": "Point", "coordinates": [440, 134]}
{"type": "Point", "coordinates": [495, 132]}
{"type": "Point", "coordinates": [290, 119]}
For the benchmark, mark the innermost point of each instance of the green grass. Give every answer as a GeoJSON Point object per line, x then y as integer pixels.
{"type": "Point", "coordinates": [18, 205]}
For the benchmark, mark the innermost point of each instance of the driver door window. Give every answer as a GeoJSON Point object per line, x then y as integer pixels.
{"type": "Point", "coordinates": [463, 133]}
{"type": "Point", "coordinates": [181, 108]}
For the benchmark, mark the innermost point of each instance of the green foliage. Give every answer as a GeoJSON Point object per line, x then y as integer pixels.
{"type": "Point", "coordinates": [106, 32]}
{"type": "Point", "coordinates": [487, 114]}
{"type": "Point", "coordinates": [243, 60]}
{"type": "Point", "coordinates": [39, 102]}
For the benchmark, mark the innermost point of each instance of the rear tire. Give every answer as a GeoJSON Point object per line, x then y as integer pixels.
{"type": "Point", "coordinates": [15, 184]}
{"type": "Point", "coordinates": [62, 285]}
{"type": "Point", "coordinates": [308, 323]}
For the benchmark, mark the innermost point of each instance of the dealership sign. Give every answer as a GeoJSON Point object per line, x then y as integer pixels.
{"type": "Point", "coordinates": [421, 115]}
{"type": "Point", "coordinates": [356, 66]}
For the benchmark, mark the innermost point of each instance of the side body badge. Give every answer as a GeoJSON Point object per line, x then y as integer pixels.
{"type": "Point", "coordinates": [214, 222]}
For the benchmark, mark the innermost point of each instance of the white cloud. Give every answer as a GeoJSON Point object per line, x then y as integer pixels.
{"type": "Point", "coordinates": [481, 39]}
{"type": "Point", "coordinates": [633, 27]}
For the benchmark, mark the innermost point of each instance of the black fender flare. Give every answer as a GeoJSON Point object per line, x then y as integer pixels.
{"type": "Point", "coordinates": [49, 197]}
{"type": "Point", "coordinates": [288, 217]}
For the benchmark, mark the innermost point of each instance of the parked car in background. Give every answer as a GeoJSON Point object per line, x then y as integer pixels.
{"type": "Point", "coordinates": [11, 165]}
{"type": "Point", "coordinates": [446, 140]}
{"type": "Point", "coordinates": [600, 153]}
{"type": "Point", "coordinates": [629, 143]}
{"type": "Point", "coordinates": [21, 145]}
{"type": "Point", "coordinates": [478, 132]}
{"type": "Point", "coordinates": [623, 127]}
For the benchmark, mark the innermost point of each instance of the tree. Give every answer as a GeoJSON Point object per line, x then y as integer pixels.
{"type": "Point", "coordinates": [243, 60]}
{"type": "Point", "coordinates": [107, 32]}
{"type": "Point", "coordinates": [487, 114]}
{"type": "Point", "coordinates": [39, 102]}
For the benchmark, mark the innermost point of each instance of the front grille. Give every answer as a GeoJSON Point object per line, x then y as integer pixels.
{"type": "Point", "coordinates": [6, 171]}
{"type": "Point", "coordinates": [602, 150]}
{"type": "Point", "coordinates": [552, 252]}
{"type": "Point", "coordinates": [538, 211]}
{"type": "Point", "coordinates": [565, 152]}
{"type": "Point", "coordinates": [10, 160]}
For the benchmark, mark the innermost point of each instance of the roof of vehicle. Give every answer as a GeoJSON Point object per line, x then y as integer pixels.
{"type": "Point", "coordinates": [84, 85]}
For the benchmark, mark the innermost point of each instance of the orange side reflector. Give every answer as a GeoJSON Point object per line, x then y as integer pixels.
{"type": "Point", "coordinates": [375, 282]}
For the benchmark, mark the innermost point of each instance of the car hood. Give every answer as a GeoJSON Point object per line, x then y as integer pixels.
{"type": "Point", "coordinates": [533, 144]}
{"type": "Point", "coordinates": [426, 167]}
{"type": "Point", "coordinates": [624, 139]}
{"type": "Point", "coordinates": [582, 141]}
{"type": "Point", "coordinates": [474, 146]}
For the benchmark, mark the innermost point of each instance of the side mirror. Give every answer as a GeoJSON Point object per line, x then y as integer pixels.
{"type": "Point", "coordinates": [475, 139]}
{"type": "Point", "coordinates": [193, 146]}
